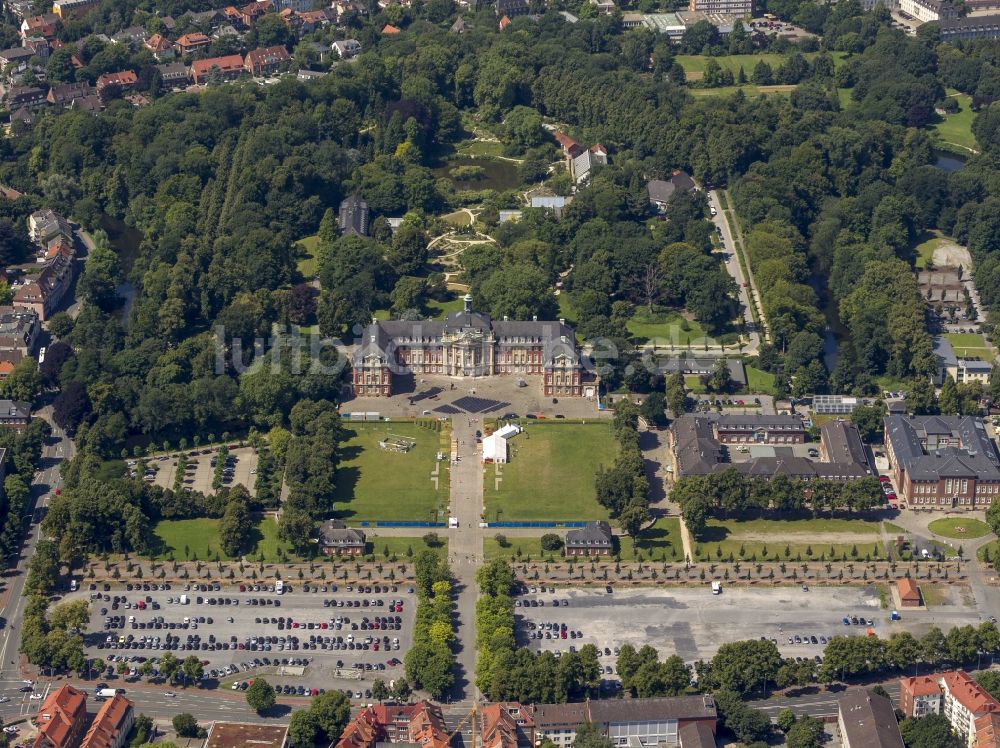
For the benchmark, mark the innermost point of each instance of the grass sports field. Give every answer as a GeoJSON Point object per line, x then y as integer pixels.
{"type": "Point", "coordinates": [789, 540]}
{"type": "Point", "coordinates": [970, 345]}
{"type": "Point", "coordinates": [375, 484]}
{"type": "Point", "coordinates": [666, 326]}
{"type": "Point", "coordinates": [190, 539]}
{"type": "Point", "coordinates": [551, 472]}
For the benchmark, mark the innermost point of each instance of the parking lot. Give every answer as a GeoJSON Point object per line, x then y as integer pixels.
{"type": "Point", "coordinates": [342, 637]}
{"type": "Point", "coordinates": [200, 469]}
{"type": "Point", "coordinates": [692, 623]}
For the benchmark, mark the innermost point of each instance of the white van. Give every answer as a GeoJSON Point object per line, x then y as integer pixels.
{"type": "Point", "coordinates": [279, 587]}
{"type": "Point", "coordinates": [716, 588]}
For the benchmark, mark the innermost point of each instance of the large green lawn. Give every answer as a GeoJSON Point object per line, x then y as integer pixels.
{"type": "Point", "coordinates": [694, 65]}
{"type": "Point", "coordinates": [956, 129]}
{"type": "Point", "coordinates": [970, 345]}
{"type": "Point", "coordinates": [925, 251]}
{"type": "Point", "coordinates": [190, 539]}
{"type": "Point", "coordinates": [760, 381]}
{"type": "Point", "coordinates": [551, 472]}
{"type": "Point", "coordinates": [666, 326]}
{"type": "Point", "coordinates": [404, 548]}
{"type": "Point", "coordinates": [308, 266]}
{"type": "Point", "coordinates": [770, 538]}
{"type": "Point", "coordinates": [374, 484]}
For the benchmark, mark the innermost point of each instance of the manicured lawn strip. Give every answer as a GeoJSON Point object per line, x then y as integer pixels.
{"type": "Point", "coordinates": [956, 129]}
{"type": "Point", "coordinates": [693, 384]}
{"type": "Point", "coordinates": [933, 595]}
{"type": "Point", "coordinates": [959, 528]}
{"type": "Point", "coordinates": [723, 538]}
{"type": "Point", "coordinates": [479, 148]}
{"type": "Point", "coordinates": [550, 476]}
{"type": "Point", "coordinates": [458, 218]}
{"type": "Point", "coordinates": [894, 529]}
{"type": "Point", "coordinates": [308, 265]}
{"type": "Point", "coordinates": [566, 310]}
{"type": "Point", "coordinates": [760, 381]}
{"type": "Point", "coordinates": [374, 484]}
{"type": "Point", "coordinates": [747, 89]}
{"type": "Point", "coordinates": [191, 539]}
{"type": "Point", "coordinates": [399, 545]}
{"type": "Point", "coordinates": [518, 549]}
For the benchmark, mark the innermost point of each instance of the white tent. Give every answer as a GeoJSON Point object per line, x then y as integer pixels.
{"type": "Point", "coordinates": [495, 445]}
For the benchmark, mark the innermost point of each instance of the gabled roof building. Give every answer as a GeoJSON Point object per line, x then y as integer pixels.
{"type": "Point", "coordinates": [62, 717]}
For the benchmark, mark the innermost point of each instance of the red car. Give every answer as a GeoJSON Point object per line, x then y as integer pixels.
{"type": "Point", "coordinates": [884, 479]}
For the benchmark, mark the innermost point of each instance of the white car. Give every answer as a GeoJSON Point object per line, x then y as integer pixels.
{"type": "Point", "coordinates": [35, 697]}
{"type": "Point", "coordinates": [171, 694]}
{"type": "Point", "coordinates": [4, 699]}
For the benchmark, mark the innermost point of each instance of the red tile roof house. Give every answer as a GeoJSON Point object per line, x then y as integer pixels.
{"type": "Point", "coordinates": [45, 292]}
{"type": "Point", "coordinates": [125, 79]}
{"type": "Point", "coordinates": [161, 47]}
{"type": "Point", "coordinates": [112, 725]}
{"type": "Point", "coordinates": [230, 67]}
{"type": "Point", "coordinates": [267, 60]}
{"type": "Point", "coordinates": [62, 719]}
{"type": "Point", "coordinates": [191, 43]}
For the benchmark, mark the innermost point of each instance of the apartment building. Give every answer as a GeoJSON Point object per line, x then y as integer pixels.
{"type": "Point", "coordinates": [955, 695]}
{"type": "Point", "coordinates": [867, 720]}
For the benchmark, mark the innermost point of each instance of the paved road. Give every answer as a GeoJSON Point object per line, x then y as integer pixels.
{"type": "Point", "coordinates": [466, 546]}
{"type": "Point", "coordinates": [47, 480]}
{"type": "Point", "coordinates": [736, 271]}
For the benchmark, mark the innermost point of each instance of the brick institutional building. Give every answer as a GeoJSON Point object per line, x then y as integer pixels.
{"type": "Point", "coordinates": [470, 345]}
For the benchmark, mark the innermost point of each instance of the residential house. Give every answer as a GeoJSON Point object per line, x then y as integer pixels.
{"type": "Point", "coordinates": [47, 224]}
{"type": "Point", "coordinates": [987, 733]}
{"type": "Point", "coordinates": [626, 722]}
{"type": "Point", "coordinates": [9, 360]}
{"type": "Point", "coordinates": [15, 415]}
{"type": "Point", "coordinates": [45, 26]}
{"type": "Point", "coordinates": [511, 8]}
{"type": "Point", "coordinates": [336, 539]}
{"type": "Point", "coordinates": [23, 116]}
{"type": "Point", "coordinates": [38, 46]}
{"type": "Point", "coordinates": [161, 47]}
{"type": "Point", "coordinates": [504, 22]}
{"type": "Point", "coordinates": [505, 725]}
{"type": "Point", "coordinates": [63, 94]}
{"type": "Point", "coordinates": [605, 7]}
{"type": "Point", "coordinates": [942, 462]}
{"type": "Point", "coordinates": [298, 6]}
{"type": "Point", "coordinates": [867, 720]}
{"type": "Point", "coordinates": [253, 11]}
{"type": "Point", "coordinates": [189, 44]}
{"type": "Point", "coordinates": [205, 19]}
{"type": "Point", "coordinates": [229, 67]}
{"type": "Point", "coordinates": [460, 26]}
{"type": "Point", "coordinates": [233, 15]}
{"type": "Point", "coordinates": [416, 724]}
{"type": "Point", "coordinates": [174, 73]}
{"type": "Point", "coordinates": [62, 717]}
{"type": "Point", "coordinates": [43, 294]}
{"type": "Point", "coordinates": [112, 724]}
{"type": "Point", "coordinates": [593, 540]}
{"type": "Point", "coordinates": [15, 60]}
{"type": "Point", "coordinates": [342, 7]}
{"type": "Point", "coordinates": [909, 593]}
{"type": "Point", "coordinates": [266, 61]}
{"type": "Point", "coordinates": [308, 75]}
{"type": "Point", "coordinates": [124, 79]}
{"type": "Point", "coordinates": [73, 8]}
{"type": "Point", "coordinates": [134, 36]}
{"type": "Point", "coordinates": [92, 104]}
{"type": "Point", "coordinates": [19, 330]}
{"type": "Point", "coordinates": [961, 369]}
{"type": "Point", "coordinates": [354, 216]}
{"type": "Point", "coordinates": [310, 20]}
{"type": "Point", "coordinates": [28, 97]}
{"type": "Point", "coordinates": [346, 48]}
{"type": "Point", "coordinates": [390, 30]}
{"type": "Point", "coordinates": [584, 165]}
{"type": "Point", "coordinates": [662, 191]}
{"type": "Point", "coordinates": [955, 695]}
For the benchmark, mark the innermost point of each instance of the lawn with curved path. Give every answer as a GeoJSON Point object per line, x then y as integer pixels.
{"type": "Point", "coordinates": [959, 528]}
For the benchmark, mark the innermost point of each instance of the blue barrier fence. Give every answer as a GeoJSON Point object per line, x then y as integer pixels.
{"type": "Point", "coordinates": [380, 523]}
{"type": "Point", "coordinates": [541, 525]}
